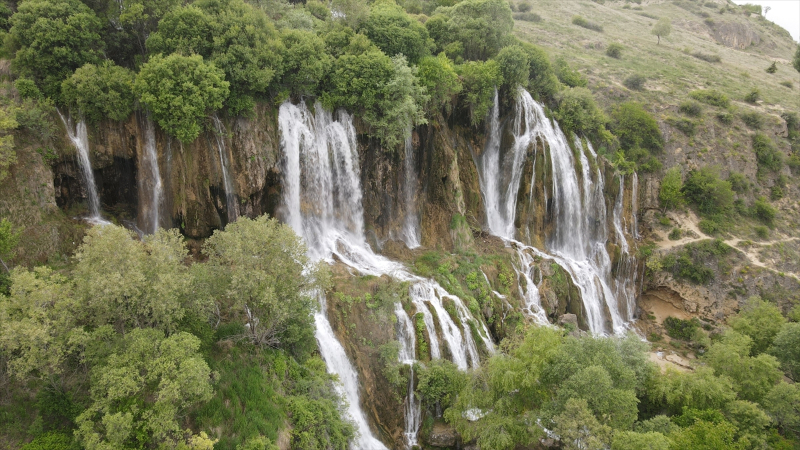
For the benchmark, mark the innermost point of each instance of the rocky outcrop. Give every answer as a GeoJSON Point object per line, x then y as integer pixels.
{"type": "Point", "coordinates": [735, 34]}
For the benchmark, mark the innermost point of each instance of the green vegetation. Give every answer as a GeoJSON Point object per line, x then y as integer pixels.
{"type": "Point", "coordinates": [638, 134]}
{"type": "Point", "coordinates": [767, 156]}
{"type": "Point", "coordinates": [614, 50]}
{"type": "Point", "coordinates": [691, 109]}
{"type": "Point", "coordinates": [670, 195]}
{"type": "Point", "coordinates": [693, 261]}
{"type": "Point", "coordinates": [681, 329]}
{"type": "Point", "coordinates": [8, 155]}
{"type": "Point", "coordinates": [662, 28]}
{"type": "Point", "coordinates": [635, 82]}
{"type": "Point", "coordinates": [100, 91]}
{"type": "Point", "coordinates": [753, 96]}
{"type": "Point", "coordinates": [704, 189]}
{"type": "Point", "coordinates": [581, 22]}
{"type": "Point", "coordinates": [711, 97]}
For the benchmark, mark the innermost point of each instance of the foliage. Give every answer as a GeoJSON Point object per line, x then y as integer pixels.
{"type": "Point", "coordinates": [692, 262]}
{"type": "Point", "coordinates": [711, 97]}
{"type": "Point", "coordinates": [764, 212]}
{"type": "Point", "coordinates": [514, 66]}
{"type": "Point", "coordinates": [8, 241]}
{"type": "Point", "coordinates": [305, 62]}
{"type": "Point", "coordinates": [578, 113]}
{"type": "Point", "coordinates": [479, 27]}
{"type": "Point", "coordinates": [753, 120]}
{"type": "Point", "coordinates": [753, 96]}
{"type": "Point", "coordinates": [704, 435]}
{"type": "Point", "coordinates": [439, 383]}
{"type": "Point", "coordinates": [767, 156]}
{"type": "Point", "coordinates": [635, 82]}
{"type": "Point", "coordinates": [752, 376]}
{"type": "Point", "coordinates": [479, 80]}
{"type": "Point", "coordinates": [100, 91]}
{"type": "Point", "coordinates": [52, 38]}
{"type": "Point", "coordinates": [686, 126]}
{"type": "Point", "coordinates": [662, 28]}
{"type": "Point", "coordinates": [796, 59]}
{"type": "Point", "coordinates": [569, 76]}
{"type": "Point", "coordinates": [181, 91]}
{"type": "Point", "coordinates": [783, 405]}
{"type": "Point", "coordinates": [670, 194]}
{"type": "Point", "coordinates": [51, 441]}
{"type": "Point", "coordinates": [527, 17]}
{"type": "Point", "coordinates": [707, 57]}
{"type": "Point", "coordinates": [786, 347]}
{"type": "Point", "coordinates": [691, 109]}
{"type": "Point", "coordinates": [438, 76]}
{"type": "Point", "coordinates": [263, 273]}
{"type": "Point", "coordinates": [395, 33]}
{"type": "Point", "coordinates": [679, 328]}
{"type": "Point", "coordinates": [139, 393]}
{"type": "Point", "coordinates": [772, 68]}
{"type": "Point", "coordinates": [543, 83]}
{"type": "Point", "coordinates": [8, 156]}
{"type": "Point", "coordinates": [582, 22]}
{"type": "Point", "coordinates": [630, 440]}
{"type": "Point", "coordinates": [704, 188]}
{"type": "Point", "coordinates": [578, 429]}
{"type": "Point", "coordinates": [614, 50]}
{"type": "Point", "coordinates": [635, 127]}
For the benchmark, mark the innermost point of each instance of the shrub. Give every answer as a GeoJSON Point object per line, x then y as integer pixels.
{"type": "Point", "coordinates": [635, 127]}
{"type": "Point", "coordinates": [395, 32]}
{"type": "Point", "coordinates": [708, 226]}
{"type": "Point", "coordinates": [679, 328]}
{"type": "Point", "coordinates": [581, 22]}
{"type": "Point", "coordinates": [479, 80]}
{"type": "Point", "coordinates": [772, 68]}
{"type": "Point", "coordinates": [635, 82]}
{"type": "Point", "coordinates": [707, 191]}
{"type": "Point", "coordinates": [670, 194]}
{"type": "Point", "coordinates": [514, 66]}
{"type": "Point", "coordinates": [568, 75]}
{"type": "Point", "coordinates": [675, 234]}
{"type": "Point", "coordinates": [691, 109]}
{"type": "Point", "coordinates": [725, 118]}
{"type": "Point", "coordinates": [775, 193]}
{"type": "Point", "coordinates": [753, 120]}
{"type": "Point", "coordinates": [528, 17]}
{"type": "Point", "coordinates": [614, 50]}
{"type": "Point", "coordinates": [524, 7]}
{"type": "Point", "coordinates": [761, 231]}
{"type": "Point", "coordinates": [707, 57]}
{"type": "Point", "coordinates": [438, 76]}
{"type": "Point", "coordinates": [100, 91]}
{"type": "Point", "coordinates": [686, 126]}
{"type": "Point", "coordinates": [787, 84]}
{"type": "Point", "coordinates": [764, 212]}
{"type": "Point", "coordinates": [711, 97]}
{"type": "Point", "coordinates": [753, 96]}
{"type": "Point", "coordinates": [694, 260]}
{"type": "Point", "coordinates": [739, 182]}
{"type": "Point", "coordinates": [578, 112]}
{"type": "Point", "coordinates": [767, 156]}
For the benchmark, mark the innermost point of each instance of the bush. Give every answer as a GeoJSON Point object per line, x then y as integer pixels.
{"type": "Point", "coordinates": [670, 194]}
{"type": "Point", "coordinates": [787, 84]}
{"type": "Point", "coordinates": [753, 96]}
{"type": "Point", "coordinates": [395, 32]}
{"type": "Point", "coordinates": [524, 7]}
{"type": "Point", "coordinates": [568, 75]}
{"type": "Point", "coordinates": [708, 226]}
{"type": "Point", "coordinates": [761, 231]}
{"type": "Point", "coordinates": [528, 17]}
{"type": "Point", "coordinates": [764, 212]}
{"type": "Point", "coordinates": [691, 109]}
{"type": "Point", "coordinates": [739, 182]}
{"type": "Point", "coordinates": [767, 156]}
{"type": "Point", "coordinates": [675, 234]}
{"type": "Point", "coordinates": [684, 125]}
{"type": "Point", "coordinates": [635, 82]}
{"type": "Point", "coordinates": [707, 191]}
{"type": "Point", "coordinates": [694, 260]}
{"type": "Point", "coordinates": [614, 50]}
{"type": "Point", "coordinates": [100, 91]}
{"type": "Point", "coordinates": [438, 76]}
{"type": "Point", "coordinates": [581, 22]}
{"type": "Point", "coordinates": [514, 66]}
{"type": "Point", "coordinates": [706, 57]}
{"type": "Point", "coordinates": [578, 112]}
{"type": "Point", "coordinates": [479, 80]}
{"type": "Point", "coordinates": [772, 68]}
{"type": "Point", "coordinates": [753, 120]}
{"type": "Point", "coordinates": [725, 118]}
{"type": "Point", "coordinates": [635, 127]}
{"type": "Point", "coordinates": [711, 97]}
{"type": "Point", "coordinates": [679, 328]}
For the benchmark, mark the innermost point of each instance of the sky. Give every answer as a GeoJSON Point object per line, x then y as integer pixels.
{"type": "Point", "coordinates": [785, 13]}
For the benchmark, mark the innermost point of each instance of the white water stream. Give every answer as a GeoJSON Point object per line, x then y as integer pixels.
{"type": "Point", "coordinates": [411, 229]}
{"type": "Point", "coordinates": [322, 201]}
{"type": "Point", "coordinates": [80, 139]}
{"type": "Point", "coordinates": [578, 241]}
{"type": "Point", "coordinates": [231, 205]}
{"type": "Point", "coordinates": [150, 187]}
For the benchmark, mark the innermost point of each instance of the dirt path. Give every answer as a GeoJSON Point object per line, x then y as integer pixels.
{"type": "Point", "coordinates": [688, 221]}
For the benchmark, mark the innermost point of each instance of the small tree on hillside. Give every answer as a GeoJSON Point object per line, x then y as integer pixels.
{"type": "Point", "coordinates": [662, 28]}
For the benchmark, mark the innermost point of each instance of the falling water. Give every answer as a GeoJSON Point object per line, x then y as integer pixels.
{"type": "Point", "coordinates": [411, 231]}
{"type": "Point", "coordinates": [227, 182]}
{"type": "Point", "coordinates": [322, 201]}
{"type": "Point", "coordinates": [80, 139]}
{"type": "Point", "coordinates": [150, 188]}
{"type": "Point", "coordinates": [635, 205]}
{"type": "Point", "coordinates": [578, 241]}
{"type": "Point", "coordinates": [413, 406]}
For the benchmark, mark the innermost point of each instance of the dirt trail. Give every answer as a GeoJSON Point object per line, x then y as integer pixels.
{"type": "Point", "coordinates": [689, 220]}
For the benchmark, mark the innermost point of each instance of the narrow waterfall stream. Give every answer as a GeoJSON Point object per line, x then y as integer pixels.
{"type": "Point", "coordinates": [411, 230]}
{"type": "Point", "coordinates": [151, 192]}
{"type": "Point", "coordinates": [322, 201]}
{"type": "Point", "coordinates": [80, 139]}
{"type": "Point", "coordinates": [578, 241]}
{"type": "Point", "coordinates": [231, 205]}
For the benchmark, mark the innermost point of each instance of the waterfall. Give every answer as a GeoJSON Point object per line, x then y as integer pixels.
{"type": "Point", "coordinates": [231, 204]}
{"type": "Point", "coordinates": [578, 241]}
{"type": "Point", "coordinates": [411, 231]}
{"type": "Point", "coordinates": [150, 187]}
{"type": "Point", "coordinates": [635, 205]}
{"type": "Point", "coordinates": [80, 139]}
{"type": "Point", "coordinates": [413, 406]}
{"type": "Point", "coordinates": [627, 267]}
{"type": "Point", "coordinates": [322, 203]}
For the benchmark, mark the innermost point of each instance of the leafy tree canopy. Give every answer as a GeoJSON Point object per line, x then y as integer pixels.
{"type": "Point", "coordinates": [395, 33]}
{"type": "Point", "coordinates": [100, 91]}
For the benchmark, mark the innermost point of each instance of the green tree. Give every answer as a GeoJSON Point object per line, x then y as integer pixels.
{"type": "Point", "coordinates": [704, 435]}
{"type": "Point", "coordinates": [481, 27]}
{"type": "Point", "coordinates": [8, 156]}
{"type": "Point", "coordinates": [662, 28]}
{"type": "Point", "coordinates": [796, 60]}
{"type": "Point", "coordinates": [8, 241]}
{"type": "Point", "coordinates": [265, 276]}
{"type": "Point", "coordinates": [139, 18]}
{"type": "Point", "coordinates": [611, 406]}
{"type": "Point", "coordinates": [127, 283]}
{"type": "Point", "coordinates": [636, 128]}
{"type": "Point", "coordinates": [700, 389]}
{"type": "Point", "coordinates": [305, 62]}
{"type": "Point", "coordinates": [100, 91]}
{"type": "Point", "coordinates": [53, 38]}
{"type": "Point", "coordinates": [752, 377]}
{"type": "Point", "coordinates": [786, 347]}
{"type": "Point", "coordinates": [395, 33]}
{"type": "Point", "coordinates": [783, 405]}
{"type": "Point", "coordinates": [514, 67]}
{"type": "Point", "coordinates": [480, 79]}
{"type": "Point", "coordinates": [631, 440]}
{"type": "Point", "coordinates": [761, 321]}
{"type": "Point", "coordinates": [704, 188]}
{"type": "Point", "coordinates": [578, 113]}
{"type": "Point", "coordinates": [181, 91]}
{"type": "Point", "coordinates": [141, 391]}
{"type": "Point", "coordinates": [543, 83]}
{"type": "Point", "coordinates": [670, 194]}
{"type": "Point", "coordinates": [578, 429]}
{"type": "Point", "coordinates": [438, 76]}
{"type": "Point", "coordinates": [440, 382]}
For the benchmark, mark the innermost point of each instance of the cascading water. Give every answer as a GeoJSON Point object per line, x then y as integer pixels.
{"type": "Point", "coordinates": [578, 241]}
{"type": "Point", "coordinates": [150, 187]}
{"type": "Point", "coordinates": [231, 204]}
{"type": "Point", "coordinates": [411, 231]}
{"type": "Point", "coordinates": [413, 406]}
{"type": "Point", "coordinates": [80, 139]}
{"type": "Point", "coordinates": [322, 201]}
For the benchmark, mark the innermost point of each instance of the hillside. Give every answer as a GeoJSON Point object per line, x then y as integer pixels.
{"type": "Point", "coordinates": [421, 224]}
